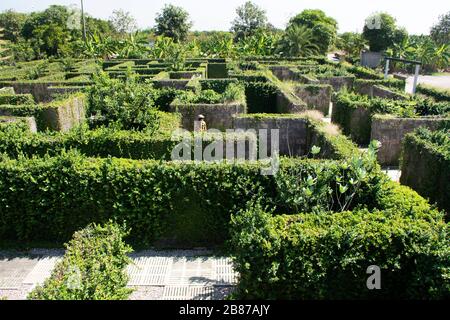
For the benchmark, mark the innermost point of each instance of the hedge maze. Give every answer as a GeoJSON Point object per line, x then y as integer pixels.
{"type": "Point", "coordinates": [87, 142]}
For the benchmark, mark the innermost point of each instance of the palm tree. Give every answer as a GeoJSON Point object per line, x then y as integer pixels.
{"type": "Point", "coordinates": [298, 41]}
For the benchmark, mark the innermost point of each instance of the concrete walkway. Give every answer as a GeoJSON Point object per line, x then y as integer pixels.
{"type": "Point", "coordinates": [154, 275]}
{"type": "Point", "coordinates": [442, 82]}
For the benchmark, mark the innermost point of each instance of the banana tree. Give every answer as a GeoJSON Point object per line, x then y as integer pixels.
{"type": "Point", "coordinates": [134, 46]}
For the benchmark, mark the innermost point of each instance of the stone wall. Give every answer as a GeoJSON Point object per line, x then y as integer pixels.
{"type": "Point", "coordinates": [378, 91]}
{"type": "Point", "coordinates": [338, 83]}
{"type": "Point", "coordinates": [293, 132]}
{"type": "Point", "coordinates": [176, 84]}
{"type": "Point", "coordinates": [384, 92]}
{"type": "Point", "coordinates": [316, 97]}
{"type": "Point", "coordinates": [39, 90]}
{"type": "Point", "coordinates": [371, 59]}
{"type": "Point", "coordinates": [427, 172]}
{"type": "Point", "coordinates": [217, 116]}
{"type": "Point", "coordinates": [390, 131]}
{"type": "Point", "coordinates": [185, 74]}
{"type": "Point", "coordinates": [54, 91]}
{"type": "Point", "coordinates": [284, 73]}
{"type": "Point", "coordinates": [64, 115]}
{"type": "Point", "coordinates": [289, 103]}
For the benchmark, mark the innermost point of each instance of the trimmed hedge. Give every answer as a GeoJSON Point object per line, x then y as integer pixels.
{"type": "Point", "coordinates": [441, 95]}
{"type": "Point", "coordinates": [93, 267]}
{"type": "Point", "coordinates": [426, 165]}
{"type": "Point", "coordinates": [16, 99]}
{"type": "Point", "coordinates": [326, 255]}
{"type": "Point", "coordinates": [261, 97]}
{"type": "Point", "coordinates": [189, 203]}
{"type": "Point", "coordinates": [364, 73]}
{"type": "Point", "coordinates": [390, 83]}
{"type": "Point", "coordinates": [353, 112]}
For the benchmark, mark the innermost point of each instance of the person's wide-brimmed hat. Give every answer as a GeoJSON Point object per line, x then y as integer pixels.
{"type": "Point", "coordinates": [200, 116]}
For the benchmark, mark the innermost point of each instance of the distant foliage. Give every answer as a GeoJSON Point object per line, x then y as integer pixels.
{"type": "Point", "coordinates": [441, 30]}
{"type": "Point", "coordinates": [173, 22]}
{"type": "Point", "coordinates": [250, 19]}
{"type": "Point", "coordinates": [323, 27]}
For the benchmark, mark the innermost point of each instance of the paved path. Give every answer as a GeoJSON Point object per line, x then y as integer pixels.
{"type": "Point", "coordinates": [435, 81]}
{"type": "Point", "coordinates": [155, 275]}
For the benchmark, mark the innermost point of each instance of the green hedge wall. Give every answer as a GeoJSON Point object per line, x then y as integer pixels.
{"type": "Point", "coordinates": [26, 110]}
{"type": "Point", "coordinates": [189, 203]}
{"type": "Point", "coordinates": [437, 94]}
{"type": "Point", "coordinates": [217, 70]}
{"type": "Point", "coordinates": [183, 203]}
{"type": "Point", "coordinates": [353, 117]}
{"type": "Point", "coordinates": [391, 83]}
{"type": "Point", "coordinates": [93, 267]}
{"type": "Point", "coordinates": [326, 255]}
{"type": "Point", "coordinates": [364, 73]}
{"type": "Point", "coordinates": [16, 99]}
{"type": "Point", "coordinates": [218, 85]}
{"type": "Point", "coordinates": [261, 97]}
{"type": "Point", "coordinates": [425, 165]}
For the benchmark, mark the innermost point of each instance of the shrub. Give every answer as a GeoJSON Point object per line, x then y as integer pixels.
{"type": "Point", "coordinates": [124, 104]}
{"type": "Point", "coordinates": [326, 255]}
{"type": "Point", "coordinates": [93, 267]}
{"type": "Point", "coordinates": [16, 99]}
{"type": "Point", "coordinates": [234, 92]}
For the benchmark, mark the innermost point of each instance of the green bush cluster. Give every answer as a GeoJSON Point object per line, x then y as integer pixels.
{"type": "Point", "coordinates": [16, 99]}
{"type": "Point", "coordinates": [124, 104]}
{"type": "Point", "coordinates": [234, 92]}
{"type": "Point", "coordinates": [325, 70]}
{"type": "Point", "coordinates": [93, 267]}
{"type": "Point", "coordinates": [326, 255]}
{"type": "Point", "coordinates": [426, 164]}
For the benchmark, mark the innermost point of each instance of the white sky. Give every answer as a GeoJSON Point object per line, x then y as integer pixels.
{"type": "Point", "coordinates": [417, 16]}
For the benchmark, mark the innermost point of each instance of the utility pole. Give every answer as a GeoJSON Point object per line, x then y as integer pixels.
{"type": "Point", "coordinates": [84, 21]}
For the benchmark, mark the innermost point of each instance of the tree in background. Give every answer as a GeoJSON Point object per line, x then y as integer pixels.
{"type": "Point", "coordinates": [173, 22]}
{"type": "Point", "coordinates": [352, 43]}
{"type": "Point", "coordinates": [381, 32]}
{"type": "Point", "coordinates": [48, 32]}
{"type": "Point", "coordinates": [441, 31]}
{"type": "Point", "coordinates": [4, 50]}
{"type": "Point", "coordinates": [12, 22]}
{"type": "Point", "coordinates": [323, 28]}
{"type": "Point", "coordinates": [123, 22]}
{"type": "Point", "coordinates": [250, 18]}
{"type": "Point", "coordinates": [298, 40]}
